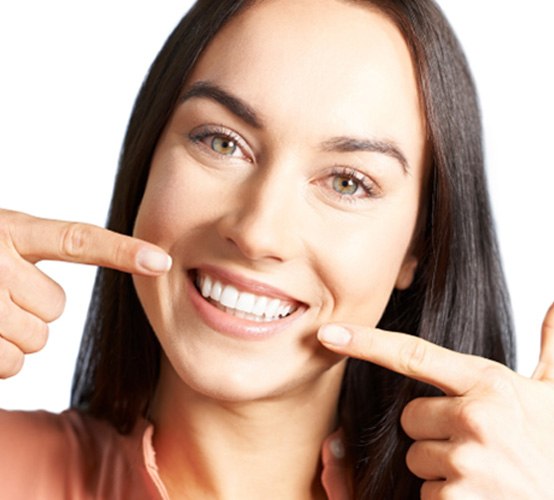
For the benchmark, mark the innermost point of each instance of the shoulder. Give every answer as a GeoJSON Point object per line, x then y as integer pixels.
{"type": "Point", "coordinates": [39, 433]}
{"type": "Point", "coordinates": [46, 455]}
{"type": "Point", "coordinates": [25, 433]}
{"type": "Point", "coordinates": [43, 454]}
{"type": "Point", "coordinates": [34, 450]}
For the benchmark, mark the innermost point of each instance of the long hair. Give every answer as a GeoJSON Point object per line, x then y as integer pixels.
{"type": "Point", "coordinates": [458, 298]}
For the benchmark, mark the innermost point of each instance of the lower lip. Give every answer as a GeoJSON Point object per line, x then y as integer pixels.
{"type": "Point", "coordinates": [234, 326]}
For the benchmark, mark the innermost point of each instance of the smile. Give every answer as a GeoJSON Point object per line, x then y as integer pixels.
{"type": "Point", "coordinates": [240, 303]}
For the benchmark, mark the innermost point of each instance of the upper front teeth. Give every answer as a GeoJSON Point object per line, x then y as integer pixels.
{"type": "Point", "coordinates": [228, 296]}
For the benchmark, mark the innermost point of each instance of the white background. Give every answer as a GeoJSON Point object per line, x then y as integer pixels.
{"type": "Point", "coordinates": [68, 77]}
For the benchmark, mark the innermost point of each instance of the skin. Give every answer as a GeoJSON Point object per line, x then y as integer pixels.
{"type": "Point", "coordinates": [489, 436]}
{"type": "Point", "coordinates": [256, 424]}
{"type": "Point", "coordinates": [29, 299]}
{"type": "Point", "coordinates": [280, 220]}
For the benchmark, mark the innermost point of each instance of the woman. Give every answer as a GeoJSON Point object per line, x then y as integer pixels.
{"type": "Point", "coordinates": [298, 186]}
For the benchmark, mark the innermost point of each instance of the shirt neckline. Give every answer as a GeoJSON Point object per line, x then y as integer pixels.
{"type": "Point", "coordinates": [335, 475]}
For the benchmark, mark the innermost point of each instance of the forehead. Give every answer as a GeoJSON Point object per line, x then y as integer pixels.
{"type": "Point", "coordinates": [338, 60]}
{"type": "Point", "coordinates": [328, 36]}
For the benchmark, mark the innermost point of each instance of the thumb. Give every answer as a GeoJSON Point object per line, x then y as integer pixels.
{"type": "Point", "coordinates": [545, 368]}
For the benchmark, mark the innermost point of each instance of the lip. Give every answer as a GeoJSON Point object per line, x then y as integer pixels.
{"type": "Point", "coordinates": [234, 326]}
{"type": "Point", "coordinates": [247, 284]}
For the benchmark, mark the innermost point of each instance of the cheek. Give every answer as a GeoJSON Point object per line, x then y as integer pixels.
{"type": "Point", "coordinates": [360, 267]}
{"type": "Point", "coordinates": [173, 202]}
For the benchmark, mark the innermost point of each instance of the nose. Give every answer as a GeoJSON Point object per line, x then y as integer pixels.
{"type": "Point", "coordinates": [260, 221]}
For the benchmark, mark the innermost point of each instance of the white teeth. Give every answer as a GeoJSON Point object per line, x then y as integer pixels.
{"type": "Point", "coordinates": [260, 306]}
{"type": "Point", "coordinates": [271, 309]}
{"type": "Point", "coordinates": [284, 310]}
{"type": "Point", "coordinates": [229, 297]}
{"type": "Point", "coordinates": [216, 291]}
{"type": "Point", "coordinates": [246, 302]}
{"type": "Point", "coordinates": [206, 286]}
{"type": "Point", "coordinates": [242, 304]}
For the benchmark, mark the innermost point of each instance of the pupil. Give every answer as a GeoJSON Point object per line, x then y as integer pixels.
{"type": "Point", "coordinates": [222, 145]}
{"type": "Point", "coordinates": [345, 185]}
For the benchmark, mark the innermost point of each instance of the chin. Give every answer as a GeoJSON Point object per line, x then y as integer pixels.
{"type": "Point", "coordinates": [230, 378]}
{"type": "Point", "coordinates": [213, 352]}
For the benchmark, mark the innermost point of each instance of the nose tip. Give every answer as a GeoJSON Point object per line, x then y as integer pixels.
{"type": "Point", "coordinates": [254, 240]}
{"type": "Point", "coordinates": [259, 228]}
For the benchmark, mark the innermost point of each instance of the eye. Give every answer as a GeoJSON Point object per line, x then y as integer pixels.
{"type": "Point", "coordinates": [221, 143]}
{"type": "Point", "coordinates": [343, 184]}
{"type": "Point", "coordinates": [348, 184]}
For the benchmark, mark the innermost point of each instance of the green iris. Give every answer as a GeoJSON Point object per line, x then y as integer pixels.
{"type": "Point", "coordinates": [224, 145]}
{"type": "Point", "coordinates": [345, 185]}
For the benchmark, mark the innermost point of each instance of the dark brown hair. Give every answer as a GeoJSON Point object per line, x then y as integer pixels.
{"type": "Point", "coordinates": [458, 298]}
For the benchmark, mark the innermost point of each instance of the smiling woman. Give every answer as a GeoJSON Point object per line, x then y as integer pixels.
{"type": "Point", "coordinates": [294, 176]}
{"type": "Point", "coordinates": [281, 220]}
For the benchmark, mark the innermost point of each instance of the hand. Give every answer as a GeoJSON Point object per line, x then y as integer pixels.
{"type": "Point", "coordinates": [490, 436]}
{"type": "Point", "coordinates": [29, 299]}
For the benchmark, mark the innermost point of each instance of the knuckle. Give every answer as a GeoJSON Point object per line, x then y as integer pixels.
{"type": "Point", "coordinates": [408, 414]}
{"type": "Point", "coordinates": [6, 266]}
{"type": "Point", "coordinates": [35, 338]}
{"type": "Point", "coordinates": [73, 240]}
{"type": "Point", "coordinates": [439, 490]}
{"type": "Point", "coordinates": [54, 304]}
{"type": "Point", "coordinates": [413, 357]}
{"type": "Point", "coordinates": [430, 490]}
{"type": "Point", "coordinates": [461, 460]}
{"type": "Point", "coordinates": [497, 378]}
{"type": "Point", "coordinates": [5, 235]}
{"type": "Point", "coordinates": [11, 359]}
{"type": "Point", "coordinates": [457, 461]}
{"type": "Point", "coordinates": [120, 253]}
{"type": "Point", "coordinates": [58, 300]}
{"type": "Point", "coordinates": [4, 305]}
{"type": "Point", "coordinates": [414, 457]}
{"type": "Point", "coordinates": [472, 417]}
{"type": "Point", "coordinates": [9, 221]}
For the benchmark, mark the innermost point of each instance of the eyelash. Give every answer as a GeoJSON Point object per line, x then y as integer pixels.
{"type": "Point", "coordinates": [362, 180]}
{"type": "Point", "coordinates": [213, 131]}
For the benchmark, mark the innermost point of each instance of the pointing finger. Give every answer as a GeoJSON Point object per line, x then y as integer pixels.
{"type": "Point", "coordinates": [449, 371]}
{"type": "Point", "coordinates": [43, 239]}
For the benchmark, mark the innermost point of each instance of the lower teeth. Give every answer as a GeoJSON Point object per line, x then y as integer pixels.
{"type": "Point", "coordinates": [244, 315]}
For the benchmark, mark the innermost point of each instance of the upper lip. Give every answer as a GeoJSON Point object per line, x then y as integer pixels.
{"type": "Point", "coordinates": [247, 284]}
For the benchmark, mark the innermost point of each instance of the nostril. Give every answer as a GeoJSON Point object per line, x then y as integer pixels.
{"type": "Point", "coordinates": [257, 229]}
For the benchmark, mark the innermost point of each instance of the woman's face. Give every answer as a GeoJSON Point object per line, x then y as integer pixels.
{"type": "Point", "coordinates": [286, 187]}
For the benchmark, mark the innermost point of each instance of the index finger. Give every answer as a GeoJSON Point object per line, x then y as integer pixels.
{"type": "Point", "coordinates": [452, 372]}
{"type": "Point", "coordinates": [38, 239]}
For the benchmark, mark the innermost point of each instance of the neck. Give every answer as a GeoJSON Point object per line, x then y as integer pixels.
{"type": "Point", "coordinates": [249, 450]}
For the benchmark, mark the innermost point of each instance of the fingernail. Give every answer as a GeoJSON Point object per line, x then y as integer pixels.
{"type": "Point", "coordinates": [153, 260]}
{"type": "Point", "coordinates": [337, 448]}
{"type": "Point", "coordinates": [334, 335]}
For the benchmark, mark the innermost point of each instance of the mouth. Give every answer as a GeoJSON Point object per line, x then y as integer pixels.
{"type": "Point", "coordinates": [243, 302]}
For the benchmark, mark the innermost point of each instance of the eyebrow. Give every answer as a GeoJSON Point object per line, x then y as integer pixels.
{"type": "Point", "coordinates": [234, 104]}
{"type": "Point", "coordinates": [353, 144]}
{"type": "Point", "coordinates": [336, 144]}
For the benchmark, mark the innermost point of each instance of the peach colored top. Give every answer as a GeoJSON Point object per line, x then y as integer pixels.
{"type": "Point", "coordinates": [75, 456]}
